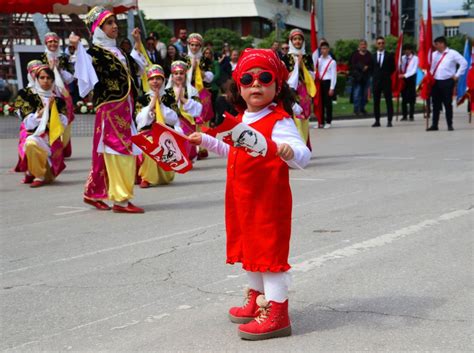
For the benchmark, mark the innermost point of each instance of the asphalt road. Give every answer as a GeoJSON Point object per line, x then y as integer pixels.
{"type": "Point", "coordinates": [382, 253]}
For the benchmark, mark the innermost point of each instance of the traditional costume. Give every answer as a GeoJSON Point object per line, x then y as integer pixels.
{"type": "Point", "coordinates": [200, 75]}
{"type": "Point", "coordinates": [149, 172]}
{"type": "Point", "coordinates": [105, 70]}
{"type": "Point", "coordinates": [42, 146]}
{"type": "Point", "coordinates": [21, 165]}
{"type": "Point", "coordinates": [189, 112]}
{"type": "Point", "coordinates": [301, 80]}
{"type": "Point", "coordinates": [258, 207]}
{"type": "Point", "coordinates": [59, 63]}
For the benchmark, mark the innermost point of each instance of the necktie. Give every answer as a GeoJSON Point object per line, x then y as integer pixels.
{"type": "Point", "coordinates": [380, 59]}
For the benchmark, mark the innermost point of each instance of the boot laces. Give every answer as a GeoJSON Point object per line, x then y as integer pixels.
{"type": "Point", "coordinates": [247, 299]}
{"type": "Point", "coordinates": [263, 315]}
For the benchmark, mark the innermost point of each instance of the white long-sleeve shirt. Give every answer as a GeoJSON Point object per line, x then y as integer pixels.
{"type": "Point", "coordinates": [447, 67]}
{"type": "Point", "coordinates": [409, 70]}
{"type": "Point", "coordinates": [331, 73]}
{"type": "Point", "coordinates": [147, 116]}
{"type": "Point", "coordinates": [32, 121]}
{"type": "Point", "coordinates": [85, 73]}
{"type": "Point", "coordinates": [87, 78]}
{"type": "Point", "coordinates": [284, 131]}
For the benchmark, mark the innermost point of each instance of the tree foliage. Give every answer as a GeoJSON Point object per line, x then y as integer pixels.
{"type": "Point", "coordinates": [219, 36]}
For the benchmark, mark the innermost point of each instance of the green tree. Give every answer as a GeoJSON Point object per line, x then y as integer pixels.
{"type": "Point", "coordinates": [343, 49]}
{"type": "Point", "coordinates": [268, 41]}
{"type": "Point", "coordinates": [457, 43]}
{"type": "Point", "coordinates": [468, 4]}
{"type": "Point", "coordinates": [219, 36]}
{"type": "Point", "coordinates": [163, 31]}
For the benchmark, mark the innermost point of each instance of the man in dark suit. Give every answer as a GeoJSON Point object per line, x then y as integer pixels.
{"type": "Point", "coordinates": [383, 67]}
{"type": "Point", "coordinates": [153, 54]}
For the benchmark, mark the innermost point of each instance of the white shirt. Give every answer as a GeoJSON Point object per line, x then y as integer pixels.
{"type": "Point", "coordinates": [284, 131]}
{"type": "Point", "coordinates": [447, 67]}
{"type": "Point", "coordinates": [147, 116]}
{"type": "Point", "coordinates": [380, 57]}
{"type": "Point", "coordinates": [331, 73]}
{"type": "Point", "coordinates": [409, 70]}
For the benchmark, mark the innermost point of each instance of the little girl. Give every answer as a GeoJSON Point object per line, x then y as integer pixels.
{"type": "Point", "coordinates": [153, 110]}
{"type": "Point", "coordinates": [258, 196]}
{"type": "Point", "coordinates": [37, 108]}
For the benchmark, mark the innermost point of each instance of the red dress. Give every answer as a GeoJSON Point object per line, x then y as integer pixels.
{"type": "Point", "coordinates": [258, 206]}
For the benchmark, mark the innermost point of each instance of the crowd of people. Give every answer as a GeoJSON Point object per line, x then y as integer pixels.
{"type": "Point", "coordinates": [188, 87]}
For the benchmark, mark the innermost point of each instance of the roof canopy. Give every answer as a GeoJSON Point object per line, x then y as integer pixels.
{"type": "Point", "coordinates": [63, 6]}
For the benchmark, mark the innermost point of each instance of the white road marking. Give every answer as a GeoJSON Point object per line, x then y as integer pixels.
{"type": "Point", "coordinates": [386, 158]}
{"type": "Point", "coordinates": [184, 307]}
{"type": "Point", "coordinates": [451, 159]}
{"type": "Point", "coordinates": [376, 242]}
{"type": "Point", "coordinates": [307, 179]}
{"type": "Point", "coordinates": [304, 266]}
{"type": "Point", "coordinates": [128, 324]}
{"type": "Point", "coordinates": [92, 253]}
{"type": "Point", "coordinates": [74, 210]}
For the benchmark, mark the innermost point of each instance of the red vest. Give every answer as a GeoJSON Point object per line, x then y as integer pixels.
{"type": "Point", "coordinates": [258, 206]}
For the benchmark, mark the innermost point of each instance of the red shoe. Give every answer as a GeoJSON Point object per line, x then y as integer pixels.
{"type": "Point", "coordinates": [144, 184]}
{"type": "Point", "coordinates": [100, 205]}
{"type": "Point", "coordinates": [37, 183]}
{"type": "Point", "coordinates": [273, 321]}
{"type": "Point", "coordinates": [248, 311]}
{"type": "Point", "coordinates": [130, 208]}
{"type": "Point", "coordinates": [28, 179]}
{"type": "Point", "coordinates": [202, 154]}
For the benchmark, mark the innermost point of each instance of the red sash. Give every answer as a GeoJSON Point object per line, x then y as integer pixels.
{"type": "Point", "coordinates": [325, 70]}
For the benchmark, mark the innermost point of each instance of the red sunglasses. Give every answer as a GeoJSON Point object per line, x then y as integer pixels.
{"type": "Point", "coordinates": [266, 78]}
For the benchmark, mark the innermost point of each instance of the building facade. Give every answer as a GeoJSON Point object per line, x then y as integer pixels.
{"type": "Point", "coordinates": [337, 19]}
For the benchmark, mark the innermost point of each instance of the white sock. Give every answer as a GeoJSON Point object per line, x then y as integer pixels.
{"type": "Point", "coordinates": [123, 203]}
{"type": "Point", "coordinates": [255, 281]}
{"type": "Point", "coordinates": [276, 286]}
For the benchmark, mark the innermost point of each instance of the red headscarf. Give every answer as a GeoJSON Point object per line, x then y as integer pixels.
{"type": "Point", "coordinates": [266, 59]}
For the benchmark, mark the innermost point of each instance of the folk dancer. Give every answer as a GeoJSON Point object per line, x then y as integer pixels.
{"type": "Point", "coordinates": [152, 109]}
{"type": "Point", "coordinates": [105, 70]}
{"type": "Point", "coordinates": [44, 118]}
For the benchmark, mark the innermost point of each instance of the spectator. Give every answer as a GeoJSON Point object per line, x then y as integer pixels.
{"type": "Point", "coordinates": [223, 104]}
{"type": "Point", "coordinates": [208, 54]}
{"type": "Point", "coordinates": [276, 48]}
{"type": "Point", "coordinates": [126, 46]}
{"type": "Point", "coordinates": [171, 55]}
{"type": "Point", "coordinates": [383, 68]}
{"type": "Point", "coordinates": [361, 67]}
{"type": "Point", "coordinates": [153, 54]}
{"type": "Point", "coordinates": [159, 45]}
{"type": "Point", "coordinates": [409, 65]}
{"type": "Point", "coordinates": [285, 47]}
{"type": "Point", "coordinates": [182, 43]}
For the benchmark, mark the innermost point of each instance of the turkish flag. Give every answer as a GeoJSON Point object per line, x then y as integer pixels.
{"type": "Point", "coordinates": [398, 84]}
{"type": "Point", "coordinates": [243, 136]}
{"type": "Point", "coordinates": [167, 148]}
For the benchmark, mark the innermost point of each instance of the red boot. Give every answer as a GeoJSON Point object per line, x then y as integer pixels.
{"type": "Point", "coordinates": [273, 321]}
{"type": "Point", "coordinates": [248, 311]}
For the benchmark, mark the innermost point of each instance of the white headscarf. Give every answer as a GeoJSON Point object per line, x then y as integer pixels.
{"type": "Point", "coordinates": [44, 94]}
{"type": "Point", "coordinates": [58, 80]}
{"type": "Point", "coordinates": [102, 40]}
{"type": "Point", "coordinates": [294, 76]}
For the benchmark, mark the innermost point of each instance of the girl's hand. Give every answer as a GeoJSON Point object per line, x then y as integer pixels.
{"type": "Point", "coordinates": [285, 152]}
{"type": "Point", "coordinates": [195, 138]}
{"type": "Point", "coordinates": [39, 113]}
{"type": "Point", "coordinates": [51, 100]}
{"type": "Point", "coordinates": [136, 35]}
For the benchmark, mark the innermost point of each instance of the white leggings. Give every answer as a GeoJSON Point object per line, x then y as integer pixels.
{"type": "Point", "coordinates": [273, 284]}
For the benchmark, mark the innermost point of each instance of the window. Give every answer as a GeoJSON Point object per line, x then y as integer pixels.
{"type": "Point", "coordinates": [451, 31]}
